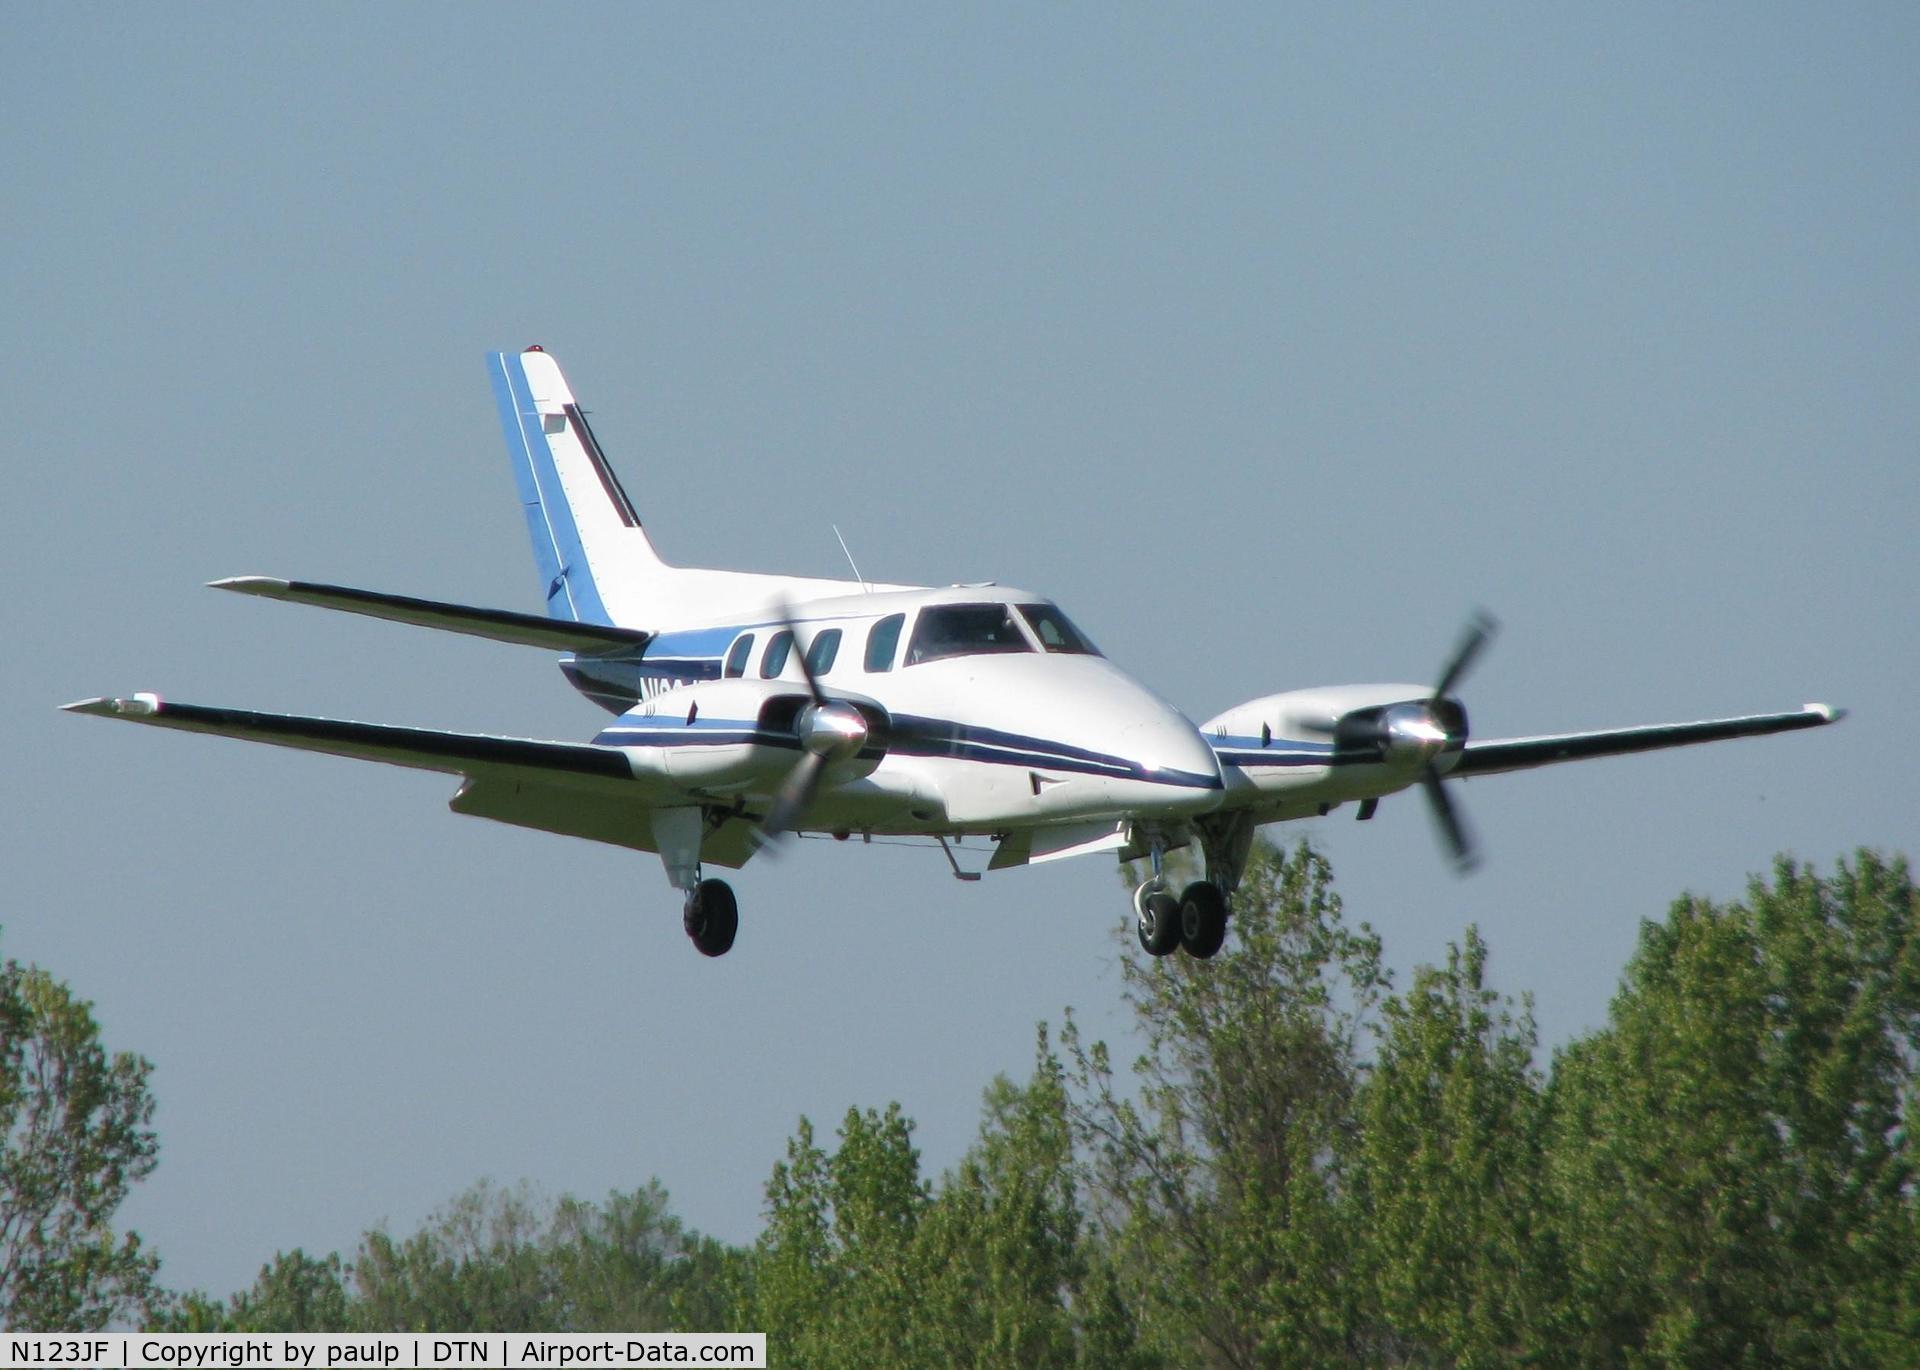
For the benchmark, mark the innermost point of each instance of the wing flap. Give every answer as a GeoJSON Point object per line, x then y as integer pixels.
{"type": "Point", "coordinates": [1522, 753]}
{"type": "Point", "coordinates": [500, 625]}
{"type": "Point", "coordinates": [597, 815]}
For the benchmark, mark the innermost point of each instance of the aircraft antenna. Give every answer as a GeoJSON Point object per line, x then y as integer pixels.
{"type": "Point", "coordinates": [864, 587]}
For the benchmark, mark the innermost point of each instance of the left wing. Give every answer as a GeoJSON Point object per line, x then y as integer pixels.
{"type": "Point", "coordinates": [1523, 753]}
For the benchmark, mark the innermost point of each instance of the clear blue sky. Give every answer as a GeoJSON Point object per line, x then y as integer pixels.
{"type": "Point", "coordinates": [1270, 340]}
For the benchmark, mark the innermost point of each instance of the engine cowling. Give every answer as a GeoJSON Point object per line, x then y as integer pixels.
{"type": "Point", "coordinates": [1282, 741]}
{"type": "Point", "coordinates": [745, 736]}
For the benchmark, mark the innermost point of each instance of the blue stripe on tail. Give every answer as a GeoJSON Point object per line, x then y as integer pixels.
{"type": "Point", "coordinates": [557, 554]}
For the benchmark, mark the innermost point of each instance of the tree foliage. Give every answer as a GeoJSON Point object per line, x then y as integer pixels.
{"type": "Point", "coordinates": [863, 1263]}
{"type": "Point", "coordinates": [1218, 1181]}
{"type": "Point", "coordinates": [1305, 1167]}
{"type": "Point", "coordinates": [74, 1136]}
{"type": "Point", "coordinates": [1732, 1158]}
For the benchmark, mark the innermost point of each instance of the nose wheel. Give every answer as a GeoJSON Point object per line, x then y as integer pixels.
{"type": "Point", "coordinates": [1156, 919]}
{"type": "Point", "coordinates": [712, 917]}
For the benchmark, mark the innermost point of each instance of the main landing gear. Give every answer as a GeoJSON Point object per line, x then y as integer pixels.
{"type": "Point", "coordinates": [1197, 920]}
{"type": "Point", "coordinates": [712, 917]}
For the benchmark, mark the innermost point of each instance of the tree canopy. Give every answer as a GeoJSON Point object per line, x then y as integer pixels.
{"type": "Point", "coordinates": [1304, 1165]}
{"type": "Point", "coordinates": [74, 1136]}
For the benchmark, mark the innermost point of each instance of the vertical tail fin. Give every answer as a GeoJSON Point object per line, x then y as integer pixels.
{"type": "Point", "coordinates": [587, 540]}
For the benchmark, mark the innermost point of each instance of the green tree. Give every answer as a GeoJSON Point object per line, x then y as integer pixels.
{"type": "Point", "coordinates": [861, 1263]}
{"type": "Point", "coordinates": [293, 1293]}
{"type": "Point", "coordinates": [1218, 1190]}
{"type": "Point", "coordinates": [836, 1273]}
{"type": "Point", "coordinates": [1010, 1277]}
{"type": "Point", "coordinates": [74, 1137]}
{"type": "Point", "coordinates": [1448, 1174]}
{"type": "Point", "coordinates": [1731, 1160]}
{"type": "Point", "coordinates": [499, 1260]}
{"type": "Point", "coordinates": [629, 1265]}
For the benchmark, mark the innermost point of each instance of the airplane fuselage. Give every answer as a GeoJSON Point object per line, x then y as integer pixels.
{"type": "Point", "coordinates": [992, 729]}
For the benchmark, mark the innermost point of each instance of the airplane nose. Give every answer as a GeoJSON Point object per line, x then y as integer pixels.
{"type": "Point", "coordinates": [1171, 751]}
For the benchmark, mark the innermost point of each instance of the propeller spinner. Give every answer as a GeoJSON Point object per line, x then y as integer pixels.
{"type": "Point", "coordinates": [829, 730]}
{"type": "Point", "coordinates": [1417, 733]}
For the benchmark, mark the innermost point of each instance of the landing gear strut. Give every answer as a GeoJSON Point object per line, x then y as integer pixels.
{"type": "Point", "coordinates": [712, 917]}
{"type": "Point", "coordinates": [1197, 920]}
{"type": "Point", "coordinates": [1157, 919]}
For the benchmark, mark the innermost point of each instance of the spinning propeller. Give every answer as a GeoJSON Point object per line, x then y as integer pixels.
{"type": "Point", "coordinates": [828, 729]}
{"type": "Point", "coordinates": [1419, 732]}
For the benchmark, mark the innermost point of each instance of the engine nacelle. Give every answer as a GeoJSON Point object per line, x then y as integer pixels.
{"type": "Point", "coordinates": [1288, 741]}
{"type": "Point", "coordinates": [1305, 715]}
{"type": "Point", "coordinates": [741, 736]}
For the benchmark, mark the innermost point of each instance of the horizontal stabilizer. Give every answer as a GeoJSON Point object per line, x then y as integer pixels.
{"type": "Point", "coordinates": [1522, 753]}
{"type": "Point", "coordinates": [502, 625]}
{"type": "Point", "coordinates": [420, 748]}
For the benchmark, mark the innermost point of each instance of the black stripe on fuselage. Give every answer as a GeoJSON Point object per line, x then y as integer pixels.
{"type": "Point", "coordinates": [935, 737]}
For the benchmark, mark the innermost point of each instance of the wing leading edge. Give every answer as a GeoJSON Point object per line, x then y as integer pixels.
{"type": "Point", "coordinates": [1523, 753]}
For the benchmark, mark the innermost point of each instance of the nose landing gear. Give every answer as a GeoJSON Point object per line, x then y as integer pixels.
{"type": "Point", "coordinates": [1156, 918]}
{"type": "Point", "coordinates": [1197, 920]}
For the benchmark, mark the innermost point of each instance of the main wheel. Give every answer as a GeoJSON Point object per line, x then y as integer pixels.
{"type": "Point", "coordinates": [1158, 924]}
{"type": "Point", "coordinates": [712, 917]}
{"type": "Point", "coordinates": [1203, 919]}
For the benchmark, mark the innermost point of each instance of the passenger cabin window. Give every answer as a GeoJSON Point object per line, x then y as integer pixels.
{"type": "Point", "coordinates": [824, 649]}
{"type": "Point", "coordinates": [882, 640]}
{"type": "Point", "coordinates": [945, 630]}
{"type": "Point", "coordinates": [1054, 632]}
{"type": "Point", "coordinates": [775, 661]}
{"type": "Point", "coordinates": [737, 656]}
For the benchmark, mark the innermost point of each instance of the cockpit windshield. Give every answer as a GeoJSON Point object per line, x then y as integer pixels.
{"type": "Point", "coordinates": [945, 630]}
{"type": "Point", "coordinates": [1054, 632]}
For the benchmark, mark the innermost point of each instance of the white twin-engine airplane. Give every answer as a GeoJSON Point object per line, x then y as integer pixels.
{"type": "Point", "coordinates": [751, 706]}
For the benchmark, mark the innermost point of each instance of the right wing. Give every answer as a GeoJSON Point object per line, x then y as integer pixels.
{"type": "Point", "coordinates": [420, 748]}
{"type": "Point", "coordinates": [502, 625]}
{"type": "Point", "coordinates": [580, 789]}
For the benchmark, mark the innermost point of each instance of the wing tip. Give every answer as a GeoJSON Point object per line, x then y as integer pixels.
{"type": "Point", "coordinates": [253, 585]}
{"type": "Point", "coordinates": [1828, 714]}
{"type": "Point", "coordinates": [140, 705]}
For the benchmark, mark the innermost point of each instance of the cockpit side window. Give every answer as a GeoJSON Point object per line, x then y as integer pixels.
{"type": "Point", "coordinates": [737, 656]}
{"type": "Point", "coordinates": [775, 661]}
{"type": "Point", "coordinates": [882, 640]}
{"type": "Point", "coordinates": [825, 647]}
{"type": "Point", "coordinates": [945, 630]}
{"type": "Point", "coordinates": [1056, 634]}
